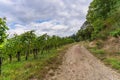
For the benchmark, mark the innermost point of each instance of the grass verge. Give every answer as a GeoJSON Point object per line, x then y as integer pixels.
{"type": "Point", "coordinates": [113, 62]}
{"type": "Point", "coordinates": [110, 59]}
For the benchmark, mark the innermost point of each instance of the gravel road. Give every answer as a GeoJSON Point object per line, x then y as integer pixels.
{"type": "Point", "coordinates": [80, 64]}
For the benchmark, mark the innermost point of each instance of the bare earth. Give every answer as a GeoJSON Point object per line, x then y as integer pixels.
{"type": "Point", "coordinates": [80, 64]}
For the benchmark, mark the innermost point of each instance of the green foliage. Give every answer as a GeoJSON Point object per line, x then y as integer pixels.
{"type": "Point", "coordinates": [3, 29]}
{"type": "Point", "coordinates": [97, 14]}
{"type": "Point", "coordinates": [32, 68]}
{"type": "Point", "coordinates": [23, 46]}
{"type": "Point", "coordinates": [98, 51]}
{"type": "Point", "coordinates": [115, 33]}
{"type": "Point", "coordinates": [28, 42]}
{"type": "Point", "coordinates": [115, 63]}
{"type": "Point", "coordinates": [28, 45]}
{"type": "Point", "coordinates": [84, 34]}
{"type": "Point", "coordinates": [103, 18]}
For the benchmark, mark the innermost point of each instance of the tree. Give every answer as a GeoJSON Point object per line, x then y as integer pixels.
{"type": "Point", "coordinates": [9, 48]}
{"type": "Point", "coordinates": [28, 38]}
{"type": "Point", "coordinates": [3, 29]}
{"type": "Point", "coordinates": [99, 11]}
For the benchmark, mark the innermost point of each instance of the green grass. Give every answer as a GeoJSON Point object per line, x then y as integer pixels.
{"type": "Point", "coordinates": [113, 62]}
{"type": "Point", "coordinates": [115, 33]}
{"type": "Point", "coordinates": [100, 53]}
{"type": "Point", "coordinates": [33, 68]}
{"type": "Point", "coordinates": [97, 51]}
{"type": "Point", "coordinates": [110, 59]}
{"type": "Point", "coordinates": [24, 69]}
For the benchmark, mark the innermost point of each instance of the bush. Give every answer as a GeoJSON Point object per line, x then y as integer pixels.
{"type": "Point", "coordinates": [115, 33]}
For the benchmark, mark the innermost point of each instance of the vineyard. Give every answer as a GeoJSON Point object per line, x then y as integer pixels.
{"type": "Point", "coordinates": [26, 46]}
{"type": "Point", "coordinates": [89, 50]}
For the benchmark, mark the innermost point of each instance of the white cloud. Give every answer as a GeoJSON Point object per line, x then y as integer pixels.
{"type": "Point", "coordinates": [58, 17]}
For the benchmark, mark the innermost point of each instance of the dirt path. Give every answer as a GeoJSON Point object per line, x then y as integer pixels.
{"type": "Point", "coordinates": [80, 64]}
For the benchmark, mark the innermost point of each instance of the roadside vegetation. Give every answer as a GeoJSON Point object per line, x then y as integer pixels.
{"type": "Point", "coordinates": [101, 31]}
{"type": "Point", "coordinates": [102, 21]}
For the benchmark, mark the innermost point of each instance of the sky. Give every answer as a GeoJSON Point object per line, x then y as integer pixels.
{"type": "Point", "coordinates": [54, 17]}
